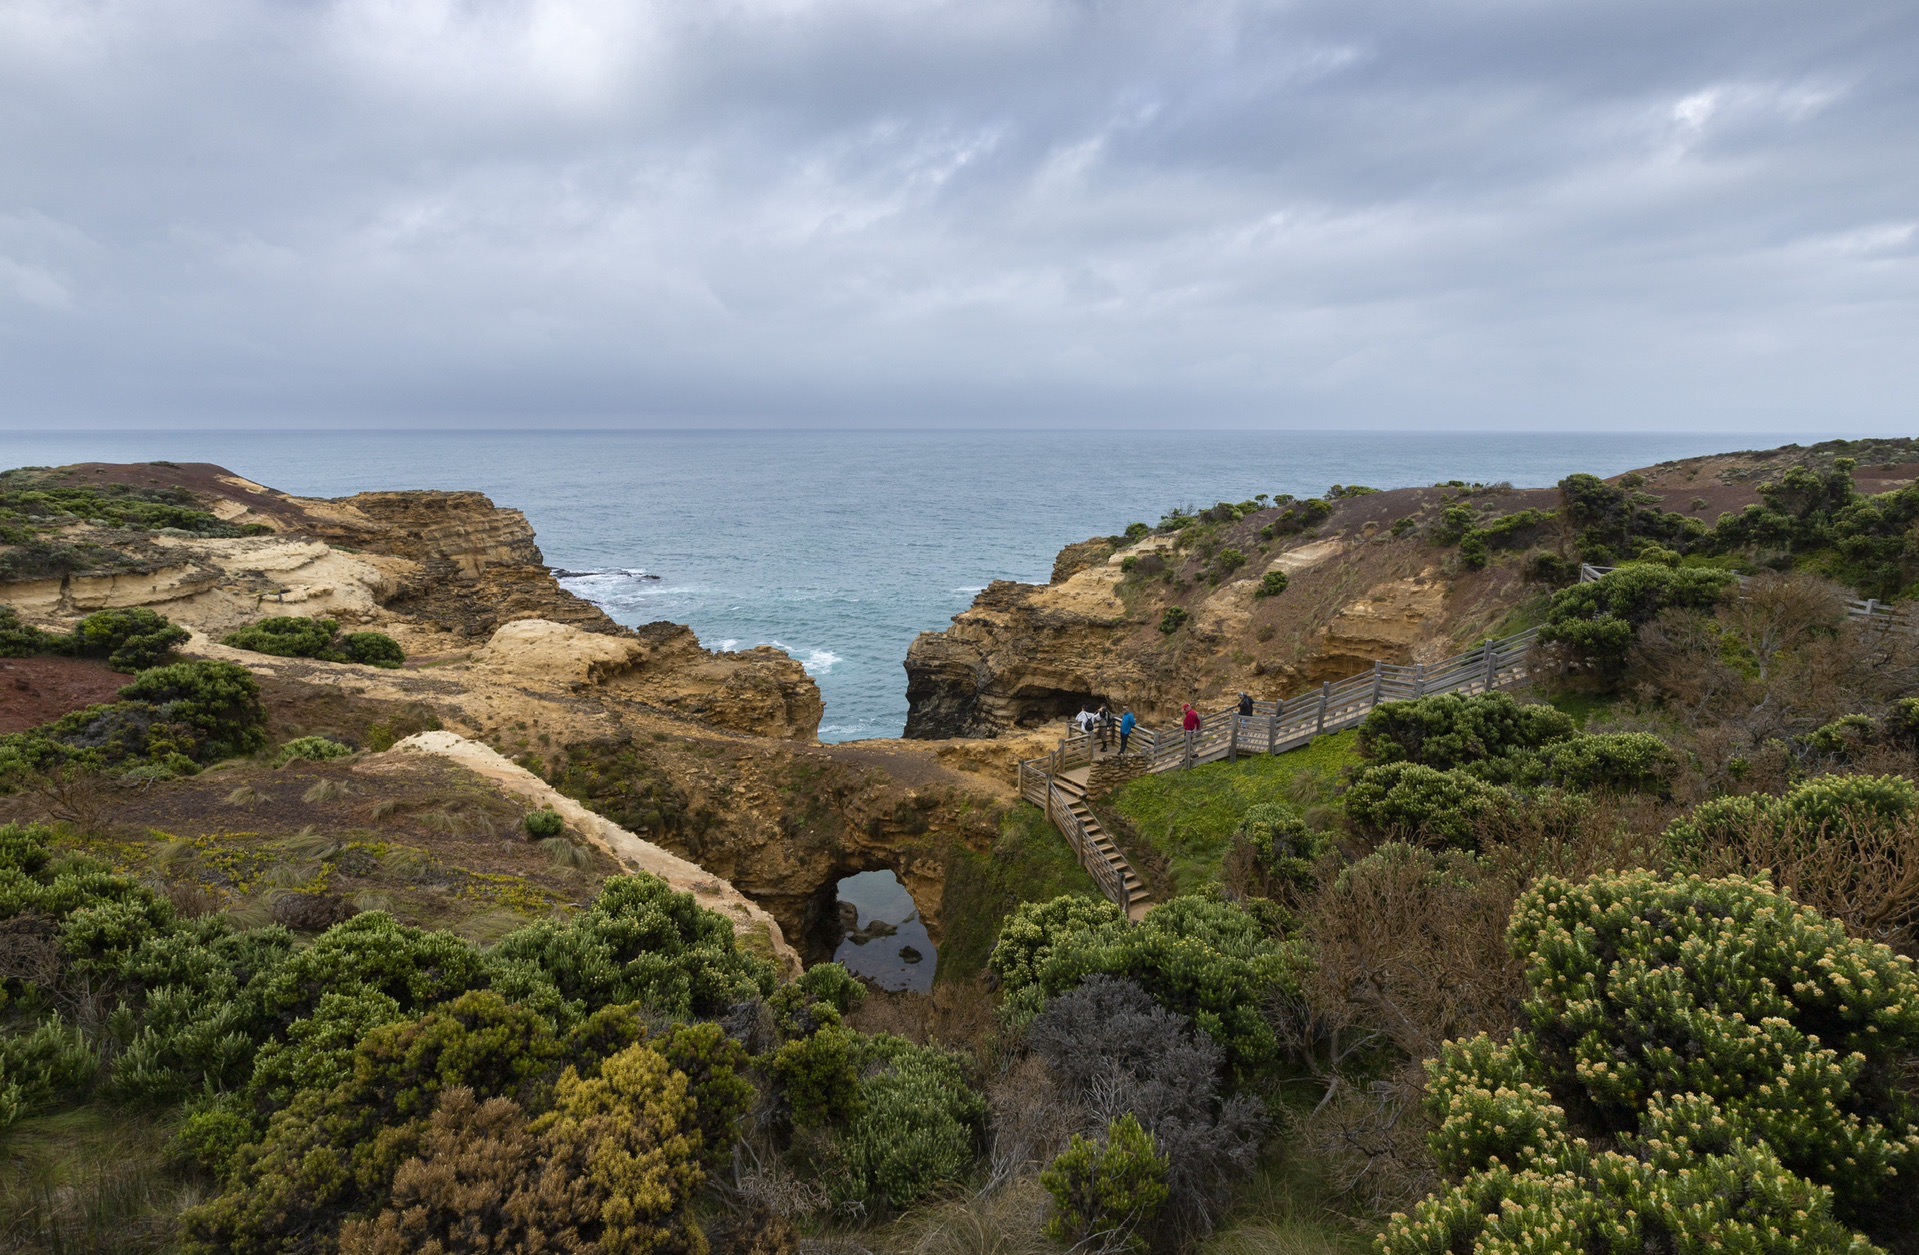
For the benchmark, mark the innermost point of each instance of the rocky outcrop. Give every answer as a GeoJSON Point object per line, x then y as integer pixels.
{"type": "Point", "coordinates": [1171, 618]}
{"type": "Point", "coordinates": [661, 665]}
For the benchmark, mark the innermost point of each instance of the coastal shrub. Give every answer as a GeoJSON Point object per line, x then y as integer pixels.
{"type": "Point", "coordinates": [641, 942]}
{"type": "Point", "coordinates": [290, 636]}
{"type": "Point", "coordinates": [1610, 522]}
{"type": "Point", "coordinates": [130, 640]}
{"type": "Point", "coordinates": [1110, 1048]}
{"type": "Point", "coordinates": [312, 749]}
{"type": "Point", "coordinates": [630, 1133]}
{"type": "Point", "coordinates": [28, 497]}
{"type": "Point", "coordinates": [1844, 736]}
{"type": "Point", "coordinates": [286, 636]}
{"type": "Point", "coordinates": [1202, 958]}
{"type": "Point", "coordinates": [1598, 622]}
{"type": "Point", "coordinates": [40, 1068]}
{"type": "Point", "coordinates": [1272, 584]}
{"type": "Point", "coordinates": [1173, 620]}
{"type": "Point", "coordinates": [1106, 1191]}
{"type": "Point", "coordinates": [171, 720]}
{"type": "Point", "coordinates": [819, 1076]}
{"type": "Point", "coordinates": [1730, 1045]}
{"type": "Point", "coordinates": [1225, 562]}
{"type": "Point", "coordinates": [1628, 761]}
{"type": "Point", "coordinates": [218, 702]}
{"type": "Point", "coordinates": [915, 1128]}
{"type": "Point", "coordinates": [1412, 801]}
{"type": "Point", "coordinates": [1835, 808]}
{"type": "Point", "coordinates": [372, 649]}
{"type": "Point", "coordinates": [543, 823]}
{"type": "Point", "coordinates": [1298, 517]}
{"type": "Point", "coordinates": [713, 1064]}
{"type": "Point", "coordinates": [1285, 850]}
{"type": "Point", "coordinates": [1451, 730]}
{"type": "Point", "coordinates": [21, 640]}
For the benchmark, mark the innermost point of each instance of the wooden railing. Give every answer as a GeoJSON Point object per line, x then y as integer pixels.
{"type": "Point", "coordinates": [1109, 875]}
{"type": "Point", "coordinates": [1274, 727]}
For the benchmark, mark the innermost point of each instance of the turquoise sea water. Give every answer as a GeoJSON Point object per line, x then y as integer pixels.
{"type": "Point", "coordinates": [841, 546]}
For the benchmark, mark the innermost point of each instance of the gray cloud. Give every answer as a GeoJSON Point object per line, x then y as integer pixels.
{"type": "Point", "coordinates": [1323, 212]}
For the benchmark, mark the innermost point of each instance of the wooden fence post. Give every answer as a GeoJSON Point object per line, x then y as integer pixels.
{"type": "Point", "coordinates": [1325, 697]}
{"type": "Point", "coordinates": [1492, 667]}
{"type": "Point", "coordinates": [1419, 680]}
{"type": "Point", "coordinates": [1232, 738]}
{"type": "Point", "coordinates": [1272, 727]}
{"type": "Point", "coordinates": [1379, 678]}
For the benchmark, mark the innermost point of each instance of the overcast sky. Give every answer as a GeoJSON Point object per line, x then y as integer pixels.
{"type": "Point", "coordinates": [1667, 214]}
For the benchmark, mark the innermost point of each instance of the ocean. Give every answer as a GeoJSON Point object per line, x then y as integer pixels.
{"type": "Point", "coordinates": [840, 546]}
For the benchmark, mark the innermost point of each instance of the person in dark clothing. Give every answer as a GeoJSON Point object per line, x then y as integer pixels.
{"type": "Point", "coordinates": [1105, 726]}
{"type": "Point", "coordinates": [1246, 704]}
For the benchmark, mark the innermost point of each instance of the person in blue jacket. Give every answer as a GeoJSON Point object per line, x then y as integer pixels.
{"type": "Point", "coordinates": [1126, 725]}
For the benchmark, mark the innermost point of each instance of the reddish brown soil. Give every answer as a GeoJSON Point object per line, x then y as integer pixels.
{"type": "Point", "coordinates": [34, 691]}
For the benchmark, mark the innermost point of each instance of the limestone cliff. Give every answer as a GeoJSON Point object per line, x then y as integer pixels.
{"type": "Point", "coordinates": [1185, 613]}
{"type": "Point", "coordinates": [441, 572]}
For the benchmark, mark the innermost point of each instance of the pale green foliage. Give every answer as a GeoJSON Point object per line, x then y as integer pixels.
{"type": "Point", "coordinates": [1415, 801]}
{"type": "Point", "coordinates": [1106, 1192]}
{"type": "Point", "coordinates": [1732, 1046]}
{"type": "Point", "coordinates": [313, 749]}
{"type": "Point", "coordinates": [1834, 806]}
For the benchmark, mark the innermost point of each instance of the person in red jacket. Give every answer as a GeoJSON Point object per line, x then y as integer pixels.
{"type": "Point", "coordinates": [1191, 724]}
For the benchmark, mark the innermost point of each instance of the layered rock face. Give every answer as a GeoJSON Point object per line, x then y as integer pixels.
{"type": "Point", "coordinates": [1025, 655]}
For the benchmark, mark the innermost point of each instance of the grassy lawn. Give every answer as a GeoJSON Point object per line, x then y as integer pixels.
{"type": "Point", "coordinates": [1584, 707]}
{"type": "Point", "coordinates": [1030, 862]}
{"type": "Point", "coordinates": [1189, 817]}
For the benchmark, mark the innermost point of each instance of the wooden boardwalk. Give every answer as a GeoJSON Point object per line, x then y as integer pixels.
{"type": "Point", "coordinates": [1057, 782]}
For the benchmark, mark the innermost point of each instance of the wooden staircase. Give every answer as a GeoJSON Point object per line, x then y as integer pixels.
{"type": "Point", "coordinates": [1057, 782]}
{"type": "Point", "coordinates": [1072, 787]}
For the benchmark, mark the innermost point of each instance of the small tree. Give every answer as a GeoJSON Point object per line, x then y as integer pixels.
{"type": "Point", "coordinates": [1104, 1193]}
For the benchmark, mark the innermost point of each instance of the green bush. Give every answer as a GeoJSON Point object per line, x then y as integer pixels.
{"type": "Point", "coordinates": [916, 1124]}
{"type": "Point", "coordinates": [171, 720]}
{"type": "Point", "coordinates": [1106, 1193]}
{"type": "Point", "coordinates": [1225, 562]}
{"type": "Point", "coordinates": [1416, 802]}
{"type": "Point", "coordinates": [38, 1069]}
{"type": "Point", "coordinates": [1199, 957]}
{"type": "Point", "coordinates": [1598, 622]}
{"type": "Point", "coordinates": [22, 640]}
{"type": "Point", "coordinates": [1837, 806]}
{"type": "Point", "coordinates": [1272, 584]}
{"type": "Point", "coordinates": [130, 640]}
{"type": "Point", "coordinates": [286, 636]}
{"type": "Point", "coordinates": [640, 942]}
{"type": "Point", "coordinates": [372, 649]}
{"type": "Point", "coordinates": [543, 823]}
{"type": "Point", "coordinates": [312, 749]}
{"type": "Point", "coordinates": [1631, 761]}
{"type": "Point", "coordinates": [1844, 736]}
{"type": "Point", "coordinates": [1451, 730]}
{"type": "Point", "coordinates": [1733, 1050]}
{"type": "Point", "coordinates": [314, 637]}
{"type": "Point", "coordinates": [1173, 620]}
{"type": "Point", "coordinates": [819, 1076]}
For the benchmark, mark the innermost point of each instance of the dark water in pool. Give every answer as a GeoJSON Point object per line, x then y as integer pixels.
{"type": "Point", "coordinates": [880, 899]}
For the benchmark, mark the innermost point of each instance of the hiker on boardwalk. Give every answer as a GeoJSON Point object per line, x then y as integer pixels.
{"type": "Point", "coordinates": [1126, 725]}
{"type": "Point", "coordinates": [1246, 705]}
{"type": "Point", "coordinates": [1085, 720]}
{"type": "Point", "coordinates": [1105, 726]}
{"type": "Point", "coordinates": [1190, 722]}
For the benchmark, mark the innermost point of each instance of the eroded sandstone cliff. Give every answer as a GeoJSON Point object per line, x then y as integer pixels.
{"type": "Point", "coordinates": [1187, 614]}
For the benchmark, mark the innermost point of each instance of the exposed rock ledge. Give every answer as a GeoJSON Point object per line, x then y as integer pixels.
{"type": "Point", "coordinates": [759, 930]}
